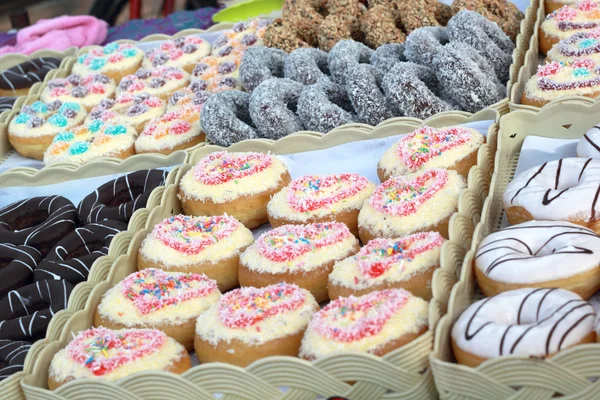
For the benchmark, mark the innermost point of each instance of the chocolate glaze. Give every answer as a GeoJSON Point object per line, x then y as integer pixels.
{"type": "Point", "coordinates": [24, 75]}
{"type": "Point", "coordinates": [12, 356]}
{"type": "Point", "coordinates": [6, 103]}
{"type": "Point", "coordinates": [16, 266]}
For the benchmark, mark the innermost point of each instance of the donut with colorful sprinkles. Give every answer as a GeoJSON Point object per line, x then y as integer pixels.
{"type": "Point", "coordinates": [160, 82]}
{"type": "Point", "coordinates": [579, 45]}
{"type": "Point", "coordinates": [157, 299]}
{"type": "Point", "coordinates": [250, 323]}
{"type": "Point", "coordinates": [136, 110]}
{"type": "Point", "coordinates": [300, 254]}
{"type": "Point", "coordinates": [236, 184]}
{"type": "Point", "coordinates": [183, 52]}
{"type": "Point", "coordinates": [113, 60]}
{"type": "Point", "coordinates": [407, 204]}
{"type": "Point", "coordinates": [201, 245]}
{"type": "Point", "coordinates": [87, 91]}
{"type": "Point", "coordinates": [568, 20]}
{"type": "Point", "coordinates": [114, 354]}
{"type": "Point", "coordinates": [376, 323]}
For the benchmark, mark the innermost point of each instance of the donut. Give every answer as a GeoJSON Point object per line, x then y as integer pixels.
{"type": "Point", "coordinates": [324, 106]}
{"type": "Point", "coordinates": [236, 184]}
{"type": "Point", "coordinates": [26, 312]}
{"type": "Point", "coordinates": [300, 254]}
{"type": "Point", "coordinates": [85, 143]}
{"type": "Point", "coordinates": [580, 77]}
{"type": "Point", "coordinates": [160, 82]}
{"type": "Point", "coordinates": [226, 119]}
{"type": "Point", "coordinates": [406, 263]}
{"type": "Point", "coordinates": [589, 145]}
{"type": "Point", "coordinates": [183, 52]}
{"type": "Point", "coordinates": [17, 264]}
{"type": "Point", "coordinates": [424, 148]}
{"type": "Point", "coordinates": [113, 60]}
{"type": "Point", "coordinates": [86, 91]}
{"type": "Point", "coordinates": [524, 322]}
{"type": "Point", "coordinates": [423, 44]}
{"type": "Point", "coordinates": [307, 66]}
{"type": "Point", "coordinates": [136, 110]}
{"type": "Point", "coordinates": [364, 90]}
{"type": "Point", "coordinates": [114, 354]}
{"type": "Point", "coordinates": [32, 130]}
{"type": "Point", "coordinates": [406, 204]}
{"type": "Point", "coordinates": [283, 36]}
{"type": "Point", "coordinates": [216, 74]}
{"type": "Point", "coordinates": [344, 56]}
{"type": "Point", "coordinates": [542, 193]}
{"type": "Point", "coordinates": [242, 36]}
{"type": "Point", "coordinates": [417, 14]}
{"type": "Point", "coordinates": [12, 357]}
{"type": "Point", "coordinates": [202, 245]}
{"type": "Point", "coordinates": [504, 13]}
{"type": "Point", "coordinates": [272, 106]}
{"type": "Point", "coordinates": [17, 80]}
{"type": "Point", "coordinates": [304, 18]}
{"type": "Point", "coordinates": [249, 323]}
{"type": "Point", "coordinates": [552, 5]}
{"type": "Point", "coordinates": [38, 222]}
{"type": "Point", "coordinates": [188, 96]}
{"type": "Point", "coordinates": [156, 299]}
{"type": "Point", "coordinates": [73, 256]}
{"type": "Point", "coordinates": [579, 45]}
{"type": "Point", "coordinates": [379, 27]}
{"type": "Point", "coordinates": [6, 103]}
{"type": "Point", "coordinates": [260, 64]}
{"type": "Point", "coordinates": [335, 27]}
{"type": "Point", "coordinates": [566, 21]}
{"type": "Point", "coordinates": [387, 55]}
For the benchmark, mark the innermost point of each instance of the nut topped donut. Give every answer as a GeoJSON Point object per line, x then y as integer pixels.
{"type": "Point", "coordinates": [135, 110]}
{"type": "Point", "coordinates": [589, 144]}
{"type": "Point", "coordinates": [566, 21]}
{"type": "Point", "coordinates": [152, 298]}
{"type": "Point", "coordinates": [406, 263]}
{"type": "Point", "coordinates": [111, 355]}
{"type": "Point", "coordinates": [113, 60]}
{"type": "Point", "coordinates": [376, 323]}
{"type": "Point", "coordinates": [426, 148]}
{"type": "Point", "coordinates": [17, 80]}
{"type": "Point", "coordinates": [183, 52]}
{"type": "Point", "coordinates": [579, 45]}
{"type": "Point", "coordinates": [412, 203]}
{"type": "Point", "coordinates": [160, 82]}
{"type": "Point", "coordinates": [321, 198]}
{"type": "Point", "coordinates": [86, 91]}
{"type": "Point", "coordinates": [17, 264]}
{"type": "Point", "coordinates": [203, 245]}
{"type": "Point", "coordinates": [249, 323]}
{"type": "Point", "coordinates": [299, 254]}
{"type": "Point", "coordinates": [236, 184]}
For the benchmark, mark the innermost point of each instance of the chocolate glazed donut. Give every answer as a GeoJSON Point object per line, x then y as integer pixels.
{"type": "Point", "coordinates": [72, 257]}
{"type": "Point", "coordinates": [26, 312]}
{"type": "Point", "coordinates": [12, 356]}
{"type": "Point", "coordinates": [38, 222]}
{"type": "Point", "coordinates": [118, 199]}
{"type": "Point", "coordinates": [16, 266]}
{"type": "Point", "coordinates": [26, 74]}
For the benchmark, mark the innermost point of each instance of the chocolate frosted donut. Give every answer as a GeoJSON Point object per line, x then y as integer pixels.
{"type": "Point", "coordinates": [38, 222]}
{"type": "Point", "coordinates": [226, 119]}
{"type": "Point", "coordinates": [364, 91]}
{"type": "Point", "coordinates": [12, 357]}
{"type": "Point", "coordinates": [26, 74]}
{"type": "Point", "coordinates": [260, 64]}
{"type": "Point", "coordinates": [72, 257]}
{"type": "Point", "coordinates": [386, 56]}
{"type": "Point", "coordinates": [16, 266]}
{"type": "Point", "coordinates": [324, 106]}
{"type": "Point", "coordinates": [6, 103]}
{"type": "Point", "coordinates": [307, 66]}
{"type": "Point", "coordinates": [26, 312]}
{"type": "Point", "coordinates": [118, 199]}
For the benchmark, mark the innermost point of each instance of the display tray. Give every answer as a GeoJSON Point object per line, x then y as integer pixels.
{"type": "Point", "coordinates": [402, 374]}
{"type": "Point", "coordinates": [573, 373]}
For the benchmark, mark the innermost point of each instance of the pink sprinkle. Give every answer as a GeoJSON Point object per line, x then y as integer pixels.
{"type": "Point", "coordinates": [221, 167]}
{"type": "Point", "coordinates": [59, 91]}
{"type": "Point", "coordinates": [584, 63]}
{"type": "Point", "coordinates": [566, 14]}
{"type": "Point", "coordinates": [114, 58]}
{"type": "Point", "coordinates": [549, 69]}
{"type": "Point", "coordinates": [587, 5]}
{"type": "Point", "coordinates": [180, 127]}
{"type": "Point", "coordinates": [97, 88]}
{"type": "Point", "coordinates": [153, 102]}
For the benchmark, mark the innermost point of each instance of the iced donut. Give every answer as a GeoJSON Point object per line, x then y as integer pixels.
{"type": "Point", "coordinates": [387, 55]}
{"type": "Point", "coordinates": [418, 202]}
{"type": "Point", "coordinates": [156, 299]}
{"type": "Point", "coordinates": [133, 109]}
{"type": "Point", "coordinates": [376, 323]}
{"type": "Point", "coordinates": [32, 130]}
{"type": "Point", "coordinates": [566, 21]}
{"type": "Point", "coordinates": [552, 5]}
{"type": "Point", "coordinates": [160, 82]}
{"type": "Point", "coordinates": [216, 74]}
{"type": "Point", "coordinates": [364, 90]}
{"type": "Point", "coordinates": [226, 119]}
{"type": "Point", "coordinates": [18, 264]}
{"type": "Point", "coordinates": [405, 263]}
{"type": "Point", "coordinates": [321, 198]}
{"type": "Point", "coordinates": [344, 56]}
{"type": "Point", "coordinates": [562, 190]}
{"type": "Point", "coordinates": [86, 91]}
{"type": "Point", "coordinates": [242, 36]}
{"type": "Point", "coordinates": [579, 45]}
{"type": "Point", "coordinates": [307, 66]}
{"type": "Point", "coordinates": [17, 80]}
{"type": "Point", "coordinates": [188, 97]}
{"type": "Point", "coordinates": [260, 64]}
{"type": "Point", "coordinates": [201, 245]}
{"type": "Point", "coordinates": [524, 322]}
{"type": "Point", "coordinates": [249, 323]}
{"type": "Point", "coordinates": [589, 144]}
{"type": "Point", "coordinates": [236, 184]}
{"type": "Point", "coordinates": [184, 52]}
{"type": "Point", "coordinates": [113, 60]}
{"type": "Point", "coordinates": [299, 254]}
{"type": "Point", "coordinates": [423, 44]}
{"type": "Point", "coordinates": [425, 148]}
{"type": "Point", "coordinates": [324, 106]}
{"type": "Point", "coordinates": [12, 357]}
{"type": "Point", "coordinates": [112, 355]}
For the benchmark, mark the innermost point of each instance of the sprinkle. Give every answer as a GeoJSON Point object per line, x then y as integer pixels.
{"type": "Point", "coordinates": [312, 192]}
{"type": "Point", "coordinates": [221, 167]}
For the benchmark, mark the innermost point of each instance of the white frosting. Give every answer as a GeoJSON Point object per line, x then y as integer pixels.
{"type": "Point", "coordinates": [589, 144]}
{"type": "Point", "coordinates": [583, 16]}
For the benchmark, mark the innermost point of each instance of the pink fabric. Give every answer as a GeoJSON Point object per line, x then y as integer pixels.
{"type": "Point", "coordinates": [59, 34]}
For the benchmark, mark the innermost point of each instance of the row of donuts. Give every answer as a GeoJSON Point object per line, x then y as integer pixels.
{"type": "Point", "coordinates": [47, 247]}
{"type": "Point", "coordinates": [542, 269]}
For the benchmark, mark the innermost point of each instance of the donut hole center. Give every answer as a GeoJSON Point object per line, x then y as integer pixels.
{"type": "Point", "coordinates": [28, 220]}
{"type": "Point", "coordinates": [4, 261]}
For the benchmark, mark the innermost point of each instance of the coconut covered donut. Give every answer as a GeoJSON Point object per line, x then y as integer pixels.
{"type": "Point", "coordinates": [589, 144]}
{"type": "Point", "coordinates": [260, 64]}
{"type": "Point", "coordinates": [426, 148]}
{"type": "Point", "coordinates": [566, 21]}
{"type": "Point", "coordinates": [321, 198]}
{"type": "Point", "coordinates": [324, 106]}
{"type": "Point", "coordinates": [135, 110]}
{"type": "Point", "coordinates": [236, 184]}
{"type": "Point", "coordinates": [216, 74]}
{"type": "Point", "coordinates": [364, 90]}
{"type": "Point", "coordinates": [307, 66]}
{"type": "Point", "coordinates": [226, 119]}
{"type": "Point", "coordinates": [184, 52]}
{"type": "Point", "coordinates": [18, 264]}
{"type": "Point", "coordinates": [86, 91]}
{"type": "Point", "coordinates": [156, 299]}
{"type": "Point", "coordinates": [524, 322]}
{"type": "Point", "coordinates": [376, 323]}
{"type": "Point", "coordinates": [344, 56]}
{"type": "Point", "coordinates": [387, 55]}
{"type": "Point", "coordinates": [579, 45]}
{"type": "Point", "coordinates": [412, 203]}
{"type": "Point", "coordinates": [160, 82]}
{"type": "Point", "coordinates": [113, 60]}
{"type": "Point", "coordinates": [299, 254]}
{"type": "Point", "coordinates": [423, 44]}
{"type": "Point", "coordinates": [111, 355]}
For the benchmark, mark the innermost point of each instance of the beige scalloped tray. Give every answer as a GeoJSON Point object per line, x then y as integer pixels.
{"type": "Point", "coordinates": [567, 374]}
{"type": "Point", "coordinates": [402, 374]}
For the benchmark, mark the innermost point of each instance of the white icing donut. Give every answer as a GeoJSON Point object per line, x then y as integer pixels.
{"type": "Point", "coordinates": [589, 144]}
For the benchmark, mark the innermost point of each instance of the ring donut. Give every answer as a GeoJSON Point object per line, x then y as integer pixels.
{"type": "Point", "coordinates": [387, 55]}
{"type": "Point", "coordinates": [307, 66]}
{"type": "Point", "coordinates": [344, 56]}
{"type": "Point", "coordinates": [423, 44]}
{"type": "Point", "coordinates": [17, 80]}
{"type": "Point", "coordinates": [226, 119]}
{"type": "Point", "coordinates": [589, 144]}
{"type": "Point", "coordinates": [12, 356]}
{"type": "Point", "coordinates": [260, 64]}
{"type": "Point", "coordinates": [324, 107]}
{"type": "Point", "coordinates": [17, 264]}
{"type": "Point", "coordinates": [364, 91]}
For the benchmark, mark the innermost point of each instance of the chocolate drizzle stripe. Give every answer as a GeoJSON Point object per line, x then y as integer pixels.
{"type": "Point", "coordinates": [583, 169]}
{"type": "Point", "coordinates": [503, 240]}
{"type": "Point", "coordinates": [580, 320]}
{"type": "Point", "coordinates": [523, 304]}
{"type": "Point", "coordinates": [564, 234]}
{"type": "Point", "coordinates": [467, 335]}
{"type": "Point", "coordinates": [529, 181]}
{"type": "Point", "coordinates": [593, 215]}
{"type": "Point", "coordinates": [586, 137]}
{"type": "Point", "coordinates": [537, 313]}
{"type": "Point", "coordinates": [504, 338]}
{"type": "Point", "coordinates": [547, 200]}
{"type": "Point", "coordinates": [557, 180]}
{"type": "Point", "coordinates": [549, 339]}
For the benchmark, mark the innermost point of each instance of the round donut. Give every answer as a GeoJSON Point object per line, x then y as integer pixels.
{"type": "Point", "coordinates": [38, 222]}
{"type": "Point", "coordinates": [307, 66]}
{"type": "Point", "coordinates": [504, 13]}
{"type": "Point", "coordinates": [344, 56]}
{"type": "Point", "coordinates": [12, 356]}
{"type": "Point", "coordinates": [304, 19]}
{"type": "Point", "coordinates": [74, 255]}
{"type": "Point", "coordinates": [17, 80]}
{"type": "Point", "coordinates": [226, 119]}
{"type": "Point", "coordinates": [566, 21]}
{"type": "Point", "coordinates": [272, 108]}
{"type": "Point", "coordinates": [387, 55]}
{"type": "Point", "coordinates": [135, 110]}
{"type": "Point", "coordinates": [216, 74]}
{"type": "Point", "coordinates": [552, 5]}
{"type": "Point", "coordinates": [86, 91]}
{"type": "Point", "coordinates": [524, 322]}
{"type": "Point", "coordinates": [376, 323]}
{"type": "Point", "coordinates": [423, 44]}
{"type": "Point", "coordinates": [113, 60]}
{"type": "Point", "coordinates": [579, 45]}
{"type": "Point", "coordinates": [379, 27]}
{"type": "Point", "coordinates": [242, 36]}
{"type": "Point", "coordinates": [160, 82]}
{"type": "Point", "coordinates": [184, 52]}
{"type": "Point", "coordinates": [26, 312]}
{"type": "Point", "coordinates": [188, 96]}
{"type": "Point", "coordinates": [335, 27]}
{"type": "Point", "coordinates": [589, 144]}
{"type": "Point", "coordinates": [364, 83]}
{"type": "Point", "coordinates": [283, 36]}
{"type": "Point", "coordinates": [417, 14]}
{"type": "Point", "coordinates": [16, 266]}
{"type": "Point", "coordinates": [544, 193]}
{"type": "Point", "coordinates": [324, 106]}
{"type": "Point", "coordinates": [260, 64]}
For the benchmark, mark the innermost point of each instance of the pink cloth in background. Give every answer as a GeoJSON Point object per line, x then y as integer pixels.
{"type": "Point", "coordinates": [59, 34]}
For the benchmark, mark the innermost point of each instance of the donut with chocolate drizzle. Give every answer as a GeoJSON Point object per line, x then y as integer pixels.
{"type": "Point", "coordinates": [16, 266]}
